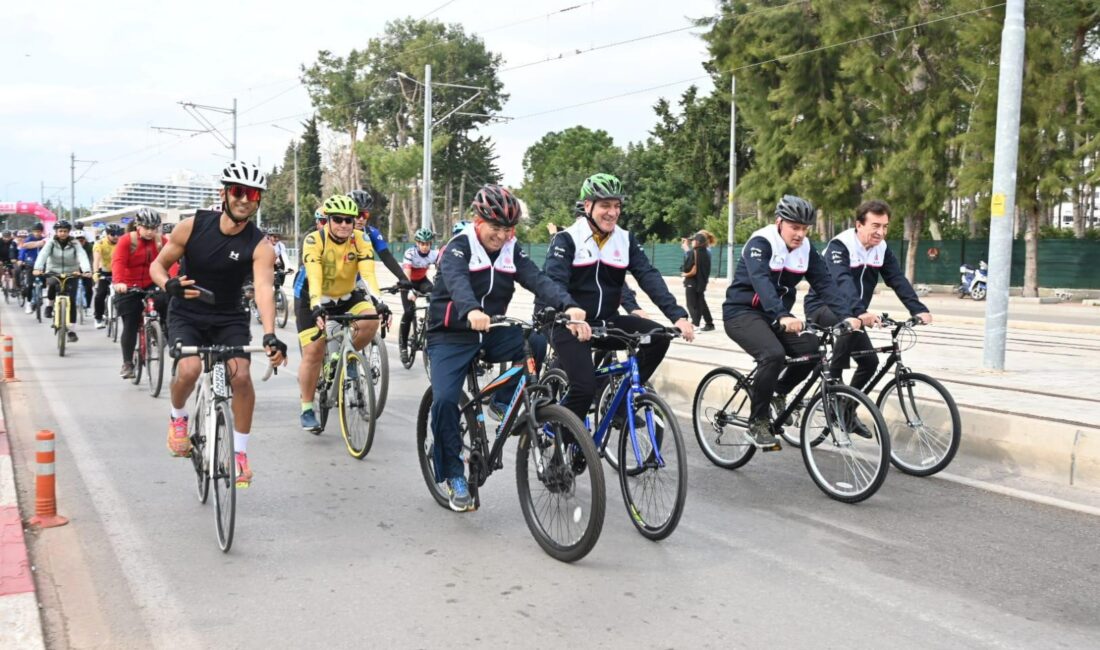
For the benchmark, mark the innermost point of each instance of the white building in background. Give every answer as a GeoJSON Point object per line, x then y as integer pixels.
{"type": "Point", "coordinates": [184, 190]}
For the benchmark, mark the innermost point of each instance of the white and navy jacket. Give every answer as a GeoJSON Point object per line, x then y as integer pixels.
{"type": "Point", "coordinates": [471, 278]}
{"type": "Point", "coordinates": [596, 276]}
{"type": "Point", "coordinates": [768, 272]}
{"type": "Point", "coordinates": [856, 270]}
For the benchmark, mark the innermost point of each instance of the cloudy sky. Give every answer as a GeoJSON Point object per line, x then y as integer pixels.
{"type": "Point", "coordinates": [92, 78]}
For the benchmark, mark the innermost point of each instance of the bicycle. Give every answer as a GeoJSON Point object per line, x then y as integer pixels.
{"type": "Point", "coordinates": [347, 374]}
{"type": "Point", "coordinates": [379, 359]}
{"type": "Point", "coordinates": [149, 349]}
{"type": "Point", "coordinates": [8, 282]}
{"type": "Point", "coordinates": [81, 302]}
{"type": "Point", "coordinates": [843, 463]}
{"type": "Point", "coordinates": [566, 516]}
{"type": "Point", "coordinates": [282, 306]}
{"type": "Point", "coordinates": [418, 331]}
{"type": "Point", "coordinates": [61, 322]}
{"type": "Point", "coordinates": [36, 298]}
{"type": "Point", "coordinates": [213, 421]}
{"type": "Point", "coordinates": [114, 321]}
{"type": "Point", "coordinates": [642, 434]}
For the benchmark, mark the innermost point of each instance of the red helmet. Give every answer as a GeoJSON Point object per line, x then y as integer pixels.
{"type": "Point", "coordinates": [495, 204]}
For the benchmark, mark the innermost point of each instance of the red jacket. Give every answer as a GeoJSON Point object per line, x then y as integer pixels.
{"type": "Point", "coordinates": [133, 269]}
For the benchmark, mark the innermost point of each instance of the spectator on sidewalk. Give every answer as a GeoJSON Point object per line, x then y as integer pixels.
{"type": "Point", "coordinates": [696, 274]}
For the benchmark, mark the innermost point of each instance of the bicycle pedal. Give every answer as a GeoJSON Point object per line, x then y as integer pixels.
{"type": "Point", "coordinates": [775, 447]}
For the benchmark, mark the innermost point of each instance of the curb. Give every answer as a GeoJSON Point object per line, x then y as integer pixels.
{"type": "Point", "coordinates": [20, 620]}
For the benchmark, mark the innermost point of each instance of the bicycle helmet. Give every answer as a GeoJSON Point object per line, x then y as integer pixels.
{"type": "Point", "coordinates": [240, 172]}
{"type": "Point", "coordinates": [147, 218]}
{"type": "Point", "coordinates": [424, 235]}
{"type": "Point", "coordinates": [22, 233]}
{"type": "Point", "coordinates": [362, 198]}
{"type": "Point", "coordinates": [37, 227]}
{"type": "Point", "coordinates": [341, 204]}
{"type": "Point", "coordinates": [115, 230]}
{"type": "Point", "coordinates": [459, 227]}
{"type": "Point", "coordinates": [62, 225]}
{"type": "Point", "coordinates": [79, 234]}
{"type": "Point", "coordinates": [601, 186]}
{"type": "Point", "coordinates": [495, 204]}
{"type": "Point", "coordinates": [796, 210]}
{"type": "Point", "coordinates": [318, 215]}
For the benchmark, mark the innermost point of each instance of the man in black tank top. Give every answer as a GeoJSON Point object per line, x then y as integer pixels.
{"type": "Point", "coordinates": [218, 251]}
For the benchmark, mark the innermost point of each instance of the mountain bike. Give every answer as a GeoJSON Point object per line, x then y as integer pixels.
{"type": "Point", "coordinates": [844, 462]}
{"type": "Point", "coordinates": [346, 383]}
{"type": "Point", "coordinates": [61, 323]}
{"type": "Point", "coordinates": [418, 331]}
{"type": "Point", "coordinates": [212, 422]}
{"type": "Point", "coordinates": [149, 349]}
{"type": "Point", "coordinates": [558, 474]}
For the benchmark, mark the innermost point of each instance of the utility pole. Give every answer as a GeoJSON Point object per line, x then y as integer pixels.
{"type": "Point", "coordinates": [1003, 201]}
{"type": "Point", "coordinates": [731, 220]}
{"type": "Point", "coordinates": [72, 183]}
{"type": "Point", "coordinates": [195, 111]}
{"type": "Point", "coordinates": [426, 193]}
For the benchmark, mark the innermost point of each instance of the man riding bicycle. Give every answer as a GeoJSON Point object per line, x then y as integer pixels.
{"type": "Point", "coordinates": [475, 282]}
{"type": "Point", "coordinates": [101, 265]}
{"type": "Point", "coordinates": [590, 259]}
{"type": "Point", "coordinates": [217, 251]}
{"type": "Point", "coordinates": [131, 262]}
{"type": "Point", "coordinates": [365, 202]}
{"type": "Point", "coordinates": [415, 265]}
{"type": "Point", "coordinates": [62, 255]}
{"type": "Point", "coordinates": [28, 254]}
{"type": "Point", "coordinates": [759, 302]}
{"type": "Point", "coordinates": [332, 258]}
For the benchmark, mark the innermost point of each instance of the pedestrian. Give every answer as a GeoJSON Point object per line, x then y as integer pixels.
{"type": "Point", "coordinates": [696, 274]}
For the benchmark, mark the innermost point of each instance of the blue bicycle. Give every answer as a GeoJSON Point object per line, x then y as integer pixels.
{"type": "Point", "coordinates": [649, 453]}
{"type": "Point", "coordinates": [36, 298]}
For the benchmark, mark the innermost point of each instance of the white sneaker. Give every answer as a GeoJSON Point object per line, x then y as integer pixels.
{"type": "Point", "coordinates": [100, 324]}
{"type": "Point", "coordinates": [28, 309]}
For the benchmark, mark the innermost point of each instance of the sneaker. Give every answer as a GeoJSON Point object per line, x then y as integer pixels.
{"type": "Point", "coordinates": [73, 338]}
{"type": "Point", "coordinates": [404, 355]}
{"type": "Point", "coordinates": [127, 371]}
{"type": "Point", "coordinates": [779, 404]}
{"type": "Point", "coordinates": [28, 309]}
{"type": "Point", "coordinates": [49, 311]}
{"type": "Point", "coordinates": [460, 498]}
{"type": "Point", "coordinates": [178, 441]}
{"type": "Point", "coordinates": [761, 433]}
{"type": "Point", "coordinates": [496, 409]}
{"type": "Point", "coordinates": [854, 425]}
{"type": "Point", "coordinates": [708, 328]}
{"type": "Point", "coordinates": [100, 324]}
{"type": "Point", "coordinates": [309, 421]}
{"type": "Point", "coordinates": [244, 472]}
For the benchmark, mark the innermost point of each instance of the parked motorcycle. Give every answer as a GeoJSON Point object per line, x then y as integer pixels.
{"type": "Point", "coordinates": [973, 281]}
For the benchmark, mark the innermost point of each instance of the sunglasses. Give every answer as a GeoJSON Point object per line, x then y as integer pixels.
{"type": "Point", "coordinates": [242, 192]}
{"type": "Point", "coordinates": [342, 220]}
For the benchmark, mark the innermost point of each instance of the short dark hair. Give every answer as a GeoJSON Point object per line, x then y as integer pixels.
{"type": "Point", "coordinates": [874, 205]}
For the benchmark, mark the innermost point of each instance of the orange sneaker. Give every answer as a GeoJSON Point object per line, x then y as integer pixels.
{"type": "Point", "coordinates": [244, 472]}
{"type": "Point", "coordinates": [179, 443]}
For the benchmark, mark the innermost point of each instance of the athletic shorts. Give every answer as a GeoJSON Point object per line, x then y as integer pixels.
{"type": "Point", "coordinates": [356, 304]}
{"type": "Point", "coordinates": [191, 329]}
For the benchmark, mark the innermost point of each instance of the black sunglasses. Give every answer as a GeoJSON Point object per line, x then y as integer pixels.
{"type": "Point", "coordinates": [343, 220]}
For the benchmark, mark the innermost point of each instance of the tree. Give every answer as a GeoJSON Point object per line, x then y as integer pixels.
{"type": "Point", "coordinates": [337, 87]}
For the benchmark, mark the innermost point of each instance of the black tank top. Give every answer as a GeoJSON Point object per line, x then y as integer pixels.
{"type": "Point", "coordinates": [217, 262]}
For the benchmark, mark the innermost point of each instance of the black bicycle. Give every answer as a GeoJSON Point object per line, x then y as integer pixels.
{"type": "Point", "coordinates": [148, 357]}
{"type": "Point", "coordinates": [845, 442]}
{"type": "Point", "coordinates": [418, 331]}
{"type": "Point", "coordinates": [558, 473]}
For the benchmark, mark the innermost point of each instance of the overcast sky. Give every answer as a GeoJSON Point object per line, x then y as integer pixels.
{"type": "Point", "coordinates": [93, 77]}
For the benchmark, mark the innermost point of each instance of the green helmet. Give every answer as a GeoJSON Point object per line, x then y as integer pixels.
{"type": "Point", "coordinates": [341, 204]}
{"type": "Point", "coordinates": [601, 186]}
{"type": "Point", "coordinates": [424, 234]}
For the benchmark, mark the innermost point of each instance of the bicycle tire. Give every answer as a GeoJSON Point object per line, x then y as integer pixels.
{"type": "Point", "coordinates": [379, 358]}
{"type": "Point", "coordinates": [561, 477]}
{"type": "Point", "coordinates": [198, 448]}
{"type": "Point", "coordinates": [282, 310]}
{"type": "Point", "coordinates": [720, 405]}
{"type": "Point", "coordinates": [905, 438]}
{"type": "Point", "coordinates": [137, 359]}
{"type": "Point", "coordinates": [425, 445]}
{"type": "Point", "coordinates": [355, 395]}
{"type": "Point", "coordinates": [648, 517]}
{"type": "Point", "coordinates": [225, 476]}
{"type": "Point", "coordinates": [154, 357]}
{"type": "Point", "coordinates": [555, 379]}
{"type": "Point", "coordinates": [858, 464]}
{"type": "Point", "coordinates": [60, 329]}
{"type": "Point", "coordinates": [115, 330]}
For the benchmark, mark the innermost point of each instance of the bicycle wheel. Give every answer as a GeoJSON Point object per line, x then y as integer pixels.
{"type": "Point", "coordinates": [924, 423]}
{"type": "Point", "coordinates": [355, 400]}
{"type": "Point", "coordinates": [154, 357]}
{"type": "Point", "coordinates": [424, 353]}
{"type": "Point", "coordinates": [282, 311]}
{"type": "Point", "coordinates": [846, 464]}
{"type": "Point", "coordinates": [653, 475]}
{"type": "Point", "coordinates": [720, 417]}
{"type": "Point", "coordinates": [60, 328]}
{"type": "Point", "coordinates": [379, 360]}
{"type": "Point", "coordinates": [138, 358]}
{"type": "Point", "coordinates": [225, 475]}
{"type": "Point", "coordinates": [555, 379]}
{"type": "Point", "coordinates": [560, 483]}
{"type": "Point", "coordinates": [425, 445]}
{"type": "Point", "coordinates": [198, 448]}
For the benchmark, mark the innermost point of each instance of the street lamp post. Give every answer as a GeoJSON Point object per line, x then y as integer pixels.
{"type": "Point", "coordinates": [294, 143]}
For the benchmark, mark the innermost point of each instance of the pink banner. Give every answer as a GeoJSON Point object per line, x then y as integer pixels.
{"type": "Point", "coordinates": [36, 209]}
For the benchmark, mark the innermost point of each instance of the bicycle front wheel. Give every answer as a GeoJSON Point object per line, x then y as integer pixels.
{"type": "Point", "coordinates": [560, 483]}
{"type": "Point", "coordinates": [282, 310]}
{"type": "Point", "coordinates": [355, 399]}
{"type": "Point", "coordinates": [845, 444]}
{"type": "Point", "coordinates": [138, 358]}
{"type": "Point", "coordinates": [198, 448]}
{"type": "Point", "coordinates": [379, 361]}
{"type": "Point", "coordinates": [225, 475]}
{"type": "Point", "coordinates": [653, 469]}
{"type": "Point", "coordinates": [720, 417]}
{"type": "Point", "coordinates": [59, 320]}
{"type": "Point", "coordinates": [154, 357]}
{"type": "Point", "coordinates": [924, 423]}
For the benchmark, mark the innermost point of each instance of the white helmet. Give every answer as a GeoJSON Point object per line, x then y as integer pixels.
{"type": "Point", "coordinates": [77, 234]}
{"type": "Point", "coordinates": [243, 173]}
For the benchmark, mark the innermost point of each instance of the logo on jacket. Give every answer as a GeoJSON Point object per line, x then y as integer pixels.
{"type": "Point", "coordinates": [234, 255]}
{"type": "Point", "coordinates": [756, 252]}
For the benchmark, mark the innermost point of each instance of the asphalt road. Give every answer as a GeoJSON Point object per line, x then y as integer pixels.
{"type": "Point", "coordinates": [338, 553]}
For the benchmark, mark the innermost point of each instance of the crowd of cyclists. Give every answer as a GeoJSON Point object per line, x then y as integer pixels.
{"type": "Point", "coordinates": [200, 266]}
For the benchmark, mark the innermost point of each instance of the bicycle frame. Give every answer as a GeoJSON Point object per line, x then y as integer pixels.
{"type": "Point", "coordinates": [893, 358]}
{"type": "Point", "coordinates": [626, 391]}
{"type": "Point", "coordinates": [61, 302]}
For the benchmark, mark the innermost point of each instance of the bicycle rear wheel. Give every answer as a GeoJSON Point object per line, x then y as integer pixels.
{"type": "Point", "coordinates": [924, 423]}
{"type": "Point", "coordinates": [225, 475]}
{"type": "Point", "coordinates": [846, 464]}
{"type": "Point", "coordinates": [355, 400]}
{"type": "Point", "coordinates": [720, 417]}
{"type": "Point", "coordinates": [560, 483]}
{"type": "Point", "coordinates": [379, 361]}
{"type": "Point", "coordinates": [425, 445]}
{"type": "Point", "coordinates": [653, 474]}
{"type": "Point", "coordinates": [154, 357]}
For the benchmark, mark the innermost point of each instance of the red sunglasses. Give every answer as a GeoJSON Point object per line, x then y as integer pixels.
{"type": "Point", "coordinates": [243, 192]}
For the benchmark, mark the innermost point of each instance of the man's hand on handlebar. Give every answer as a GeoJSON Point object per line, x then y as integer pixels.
{"type": "Point", "coordinates": [276, 349]}
{"type": "Point", "coordinates": [579, 327]}
{"type": "Point", "coordinates": [870, 320]}
{"type": "Point", "coordinates": [925, 318]}
{"type": "Point", "coordinates": [686, 330]}
{"type": "Point", "coordinates": [790, 324]}
{"type": "Point", "coordinates": [318, 314]}
{"type": "Point", "coordinates": [854, 323]}
{"type": "Point", "coordinates": [479, 321]}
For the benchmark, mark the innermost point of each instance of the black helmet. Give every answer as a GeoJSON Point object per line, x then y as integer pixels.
{"type": "Point", "coordinates": [62, 225]}
{"type": "Point", "coordinates": [37, 227]}
{"type": "Point", "coordinates": [362, 198]}
{"type": "Point", "coordinates": [495, 204]}
{"type": "Point", "coordinates": [115, 229]}
{"type": "Point", "coordinates": [796, 210]}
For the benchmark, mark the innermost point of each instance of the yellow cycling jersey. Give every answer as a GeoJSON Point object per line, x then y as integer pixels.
{"type": "Point", "coordinates": [106, 249]}
{"type": "Point", "coordinates": [331, 267]}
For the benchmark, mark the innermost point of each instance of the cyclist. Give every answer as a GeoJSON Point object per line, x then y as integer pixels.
{"type": "Point", "coordinates": [130, 266]}
{"type": "Point", "coordinates": [476, 281]}
{"type": "Point", "coordinates": [332, 258]}
{"type": "Point", "coordinates": [217, 251]}
{"type": "Point", "coordinates": [62, 254]}
{"type": "Point", "coordinates": [82, 239]}
{"type": "Point", "coordinates": [28, 253]}
{"type": "Point", "coordinates": [416, 262]}
{"type": "Point", "coordinates": [365, 201]}
{"type": "Point", "coordinates": [856, 258]}
{"type": "Point", "coordinates": [17, 264]}
{"type": "Point", "coordinates": [101, 264]}
{"type": "Point", "coordinates": [9, 251]}
{"type": "Point", "coordinates": [760, 298]}
{"type": "Point", "coordinates": [590, 259]}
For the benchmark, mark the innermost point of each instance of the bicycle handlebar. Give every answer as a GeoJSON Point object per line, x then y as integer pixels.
{"type": "Point", "coordinates": [601, 331]}
{"type": "Point", "coordinates": [221, 351]}
{"type": "Point", "coordinates": [397, 289]}
{"type": "Point", "coordinates": [909, 322]}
